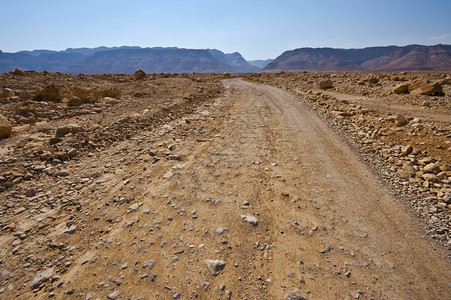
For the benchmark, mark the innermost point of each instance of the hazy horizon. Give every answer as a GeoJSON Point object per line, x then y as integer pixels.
{"type": "Point", "coordinates": [256, 29]}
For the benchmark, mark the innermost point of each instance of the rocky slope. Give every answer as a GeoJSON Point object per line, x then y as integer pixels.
{"type": "Point", "coordinates": [260, 63]}
{"type": "Point", "coordinates": [391, 58]}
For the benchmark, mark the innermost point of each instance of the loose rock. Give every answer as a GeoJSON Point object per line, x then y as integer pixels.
{"type": "Point", "coordinates": [249, 219]}
{"type": "Point", "coordinates": [423, 87]}
{"type": "Point", "coordinates": [74, 101]}
{"type": "Point", "coordinates": [41, 277]}
{"type": "Point", "coordinates": [215, 266]}
{"type": "Point", "coordinates": [114, 295]}
{"type": "Point", "coordinates": [5, 127]}
{"type": "Point", "coordinates": [325, 84]}
{"type": "Point", "coordinates": [139, 74]}
{"type": "Point", "coordinates": [294, 295]}
{"type": "Point", "coordinates": [69, 128]}
{"type": "Point", "coordinates": [403, 88]}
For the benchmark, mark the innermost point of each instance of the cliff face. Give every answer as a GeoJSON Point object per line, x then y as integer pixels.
{"type": "Point", "coordinates": [391, 58]}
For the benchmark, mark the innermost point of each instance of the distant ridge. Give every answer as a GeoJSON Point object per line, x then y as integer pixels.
{"type": "Point", "coordinates": [104, 60]}
{"type": "Point", "coordinates": [260, 63]}
{"type": "Point", "coordinates": [390, 58]}
{"type": "Point", "coordinates": [126, 59]}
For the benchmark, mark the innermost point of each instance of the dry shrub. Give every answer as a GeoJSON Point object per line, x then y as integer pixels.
{"type": "Point", "coordinates": [49, 93]}
{"type": "Point", "coordinates": [82, 94]}
{"type": "Point", "coordinates": [111, 92]}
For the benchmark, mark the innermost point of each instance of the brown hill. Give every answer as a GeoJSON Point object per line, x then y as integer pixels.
{"type": "Point", "coordinates": [391, 58]}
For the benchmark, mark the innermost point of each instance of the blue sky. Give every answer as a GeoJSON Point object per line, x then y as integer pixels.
{"type": "Point", "coordinates": [257, 29]}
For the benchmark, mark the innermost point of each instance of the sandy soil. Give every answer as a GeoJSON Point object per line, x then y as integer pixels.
{"type": "Point", "coordinates": [181, 170]}
{"type": "Point", "coordinates": [250, 177]}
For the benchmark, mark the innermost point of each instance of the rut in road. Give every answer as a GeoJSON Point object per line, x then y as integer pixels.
{"type": "Point", "coordinates": [326, 226]}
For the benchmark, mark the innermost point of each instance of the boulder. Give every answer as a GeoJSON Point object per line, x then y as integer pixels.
{"type": "Point", "coordinates": [72, 152]}
{"type": "Point", "coordinates": [431, 168]}
{"type": "Point", "coordinates": [324, 84]}
{"type": "Point", "coordinates": [406, 150]}
{"type": "Point", "coordinates": [373, 80]}
{"type": "Point", "coordinates": [402, 88]}
{"type": "Point", "coordinates": [423, 87]}
{"type": "Point", "coordinates": [400, 120]}
{"type": "Point", "coordinates": [140, 74]}
{"type": "Point", "coordinates": [74, 101]}
{"type": "Point", "coordinates": [430, 177]}
{"type": "Point", "coordinates": [68, 128]}
{"type": "Point", "coordinates": [5, 127]}
{"type": "Point", "coordinates": [406, 173]}
{"type": "Point", "coordinates": [7, 93]}
{"type": "Point", "coordinates": [18, 72]}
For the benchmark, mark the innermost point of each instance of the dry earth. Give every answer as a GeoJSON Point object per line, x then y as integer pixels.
{"type": "Point", "coordinates": [190, 187]}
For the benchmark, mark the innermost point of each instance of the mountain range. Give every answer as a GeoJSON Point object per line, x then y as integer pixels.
{"type": "Point", "coordinates": [125, 59]}
{"type": "Point", "coordinates": [104, 60]}
{"type": "Point", "coordinates": [391, 58]}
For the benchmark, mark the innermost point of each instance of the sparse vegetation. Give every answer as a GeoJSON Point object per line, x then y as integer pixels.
{"type": "Point", "coordinates": [83, 94]}
{"type": "Point", "coordinates": [110, 92]}
{"type": "Point", "coordinates": [49, 93]}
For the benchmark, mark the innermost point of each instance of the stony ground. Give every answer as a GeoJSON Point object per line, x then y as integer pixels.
{"type": "Point", "coordinates": [364, 109]}
{"type": "Point", "coordinates": [190, 186]}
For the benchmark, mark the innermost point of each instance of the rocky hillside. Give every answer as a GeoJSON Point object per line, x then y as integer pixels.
{"type": "Point", "coordinates": [391, 58]}
{"type": "Point", "coordinates": [235, 60]}
{"type": "Point", "coordinates": [126, 60]}
{"type": "Point", "coordinates": [261, 63]}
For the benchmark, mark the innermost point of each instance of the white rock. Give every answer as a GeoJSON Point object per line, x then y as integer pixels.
{"type": "Point", "coordinates": [168, 175]}
{"type": "Point", "coordinates": [249, 219]}
{"type": "Point", "coordinates": [134, 207]}
{"type": "Point", "coordinates": [215, 266]}
{"type": "Point", "coordinates": [41, 277]}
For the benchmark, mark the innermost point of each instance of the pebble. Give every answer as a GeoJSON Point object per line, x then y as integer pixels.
{"type": "Point", "coordinates": [168, 175]}
{"type": "Point", "coordinates": [205, 285]}
{"type": "Point", "coordinates": [61, 173]}
{"type": "Point", "coordinates": [114, 295]}
{"type": "Point", "coordinates": [245, 205]}
{"type": "Point", "coordinates": [134, 207]}
{"type": "Point", "coordinates": [326, 249]}
{"type": "Point", "coordinates": [249, 219]}
{"type": "Point", "coordinates": [294, 295]}
{"type": "Point", "coordinates": [149, 264]}
{"type": "Point", "coordinates": [30, 192]}
{"type": "Point", "coordinates": [128, 223]}
{"type": "Point", "coordinates": [41, 277]}
{"type": "Point", "coordinates": [221, 230]}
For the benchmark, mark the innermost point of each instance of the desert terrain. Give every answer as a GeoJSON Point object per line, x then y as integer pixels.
{"type": "Point", "coordinates": [254, 186]}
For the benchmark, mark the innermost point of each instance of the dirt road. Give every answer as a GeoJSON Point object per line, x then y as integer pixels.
{"type": "Point", "coordinates": [257, 182]}
{"type": "Point", "coordinates": [389, 106]}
